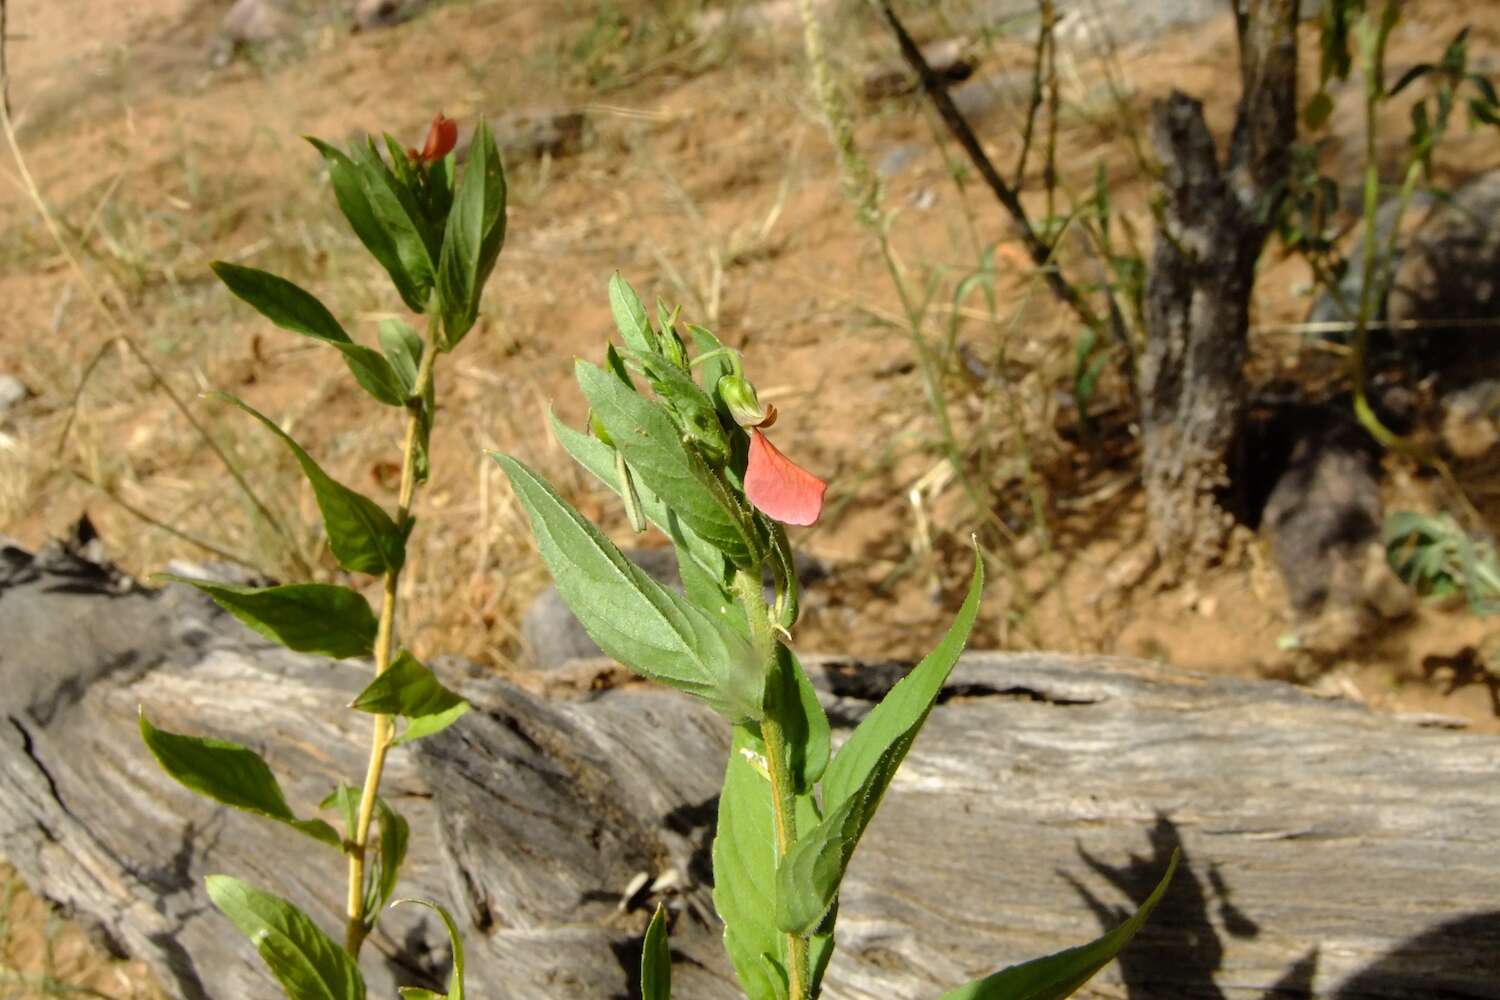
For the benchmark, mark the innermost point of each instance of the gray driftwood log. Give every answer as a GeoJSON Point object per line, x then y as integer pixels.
{"type": "Point", "coordinates": [1328, 851]}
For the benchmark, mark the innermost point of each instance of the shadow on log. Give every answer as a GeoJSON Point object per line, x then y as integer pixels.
{"type": "Point", "coordinates": [1328, 851]}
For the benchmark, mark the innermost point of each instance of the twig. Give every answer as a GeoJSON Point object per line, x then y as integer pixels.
{"type": "Point", "coordinates": [936, 88]}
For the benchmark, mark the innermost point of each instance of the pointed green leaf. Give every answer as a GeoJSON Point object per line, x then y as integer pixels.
{"type": "Point", "coordinates": [282, 302]}
{"type": "Point", "coordinates": [856, 779]}
{"type": "Point", "coordinates": [409, 689]}
{"type": "Point", "coordinates": [630, 316]}
{"type": "Point", "coordinates": [1061, 975]}
{"type": "Point", "coordinates": [406, 688]}
{"type": "Point", "coordinates": [307, 617]}
{"type": "Point", "coordinates": [900, 714]}
{"type": "Point", "coordinates": [304, 960]}
{"type": "Point", "coordinates": [361, 534]}
{"type": "Point", "coordinates": [346, 798]}
{"type": "Point", "coordinates": [745, 871]}
{"type": "Point", "coordinates": [803, 719]}
{"type": "Point", "coordinates": [403, 349]}
{"type": "Point", "coordinates": [349, 189]}
{"type": "Point", "coordinates": [651, 443]}
{"type": "Point", "coordinates": [228, 773]}
{"type": "Point", "coordinates": [695, 412]}
{"type": "Point", "coordinates": [656, 959]}
{"type": "Point", "coordinates": [704, 562]}
{"type": "Point", "coordinates": [631, 616]}
{"type": "Point", "coordinates": [472, 240]}
{"type": "Point", "coordinates": [292, 308]}
{"type": "Point", "coordinates": [385, 869]}
{"type": "Point", "coordinates": [425, 725]}
{"type": "Point", "coordinates": [396, 212]}
{"type": "Point", "coordinates": [456, 977]}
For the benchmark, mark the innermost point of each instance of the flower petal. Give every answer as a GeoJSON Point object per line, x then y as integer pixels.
{"type": "Point", "coordinates": [780, 488]}
{"type": "Point", "coordinates": [442, 136]}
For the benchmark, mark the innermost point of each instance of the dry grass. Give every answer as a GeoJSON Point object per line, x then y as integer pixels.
{"type": "Point", "coordinates": [44, 956]}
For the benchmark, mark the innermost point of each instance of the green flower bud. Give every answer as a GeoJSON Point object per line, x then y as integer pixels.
{"type": "Point", "coordinates": [739, 395]}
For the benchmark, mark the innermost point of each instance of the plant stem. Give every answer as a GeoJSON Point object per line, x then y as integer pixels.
{"type": "Point", "coordinates": [747, 587]}
{"type": "Point", "coordinates": [355, 928]}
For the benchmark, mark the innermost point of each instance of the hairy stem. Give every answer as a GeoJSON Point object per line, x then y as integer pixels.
{"type": "Point", "coordinates": [747, 587]}
{"type": "Point", "coordinates": [356, 928]}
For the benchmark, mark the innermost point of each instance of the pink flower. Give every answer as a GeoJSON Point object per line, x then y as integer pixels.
{"type": "Point", "coordinates": [780, 488]}
{"type": "Point", "coordinates": [442, 136]}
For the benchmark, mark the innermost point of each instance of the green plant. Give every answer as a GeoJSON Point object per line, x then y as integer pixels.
{"type": "Point", "coordinates": [1356, 32]}
{"type": "Point", "coordinates": [689, 455]}
{"type": "Point", "coordinates": [437, 235]}
{"type": "Point", "coordinates": [1436, 557]}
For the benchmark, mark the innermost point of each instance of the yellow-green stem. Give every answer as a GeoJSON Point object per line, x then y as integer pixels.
{"type": "Point", "coordinates": [747, 587]}
{"type": "Point", "coordinates": [355, 928]}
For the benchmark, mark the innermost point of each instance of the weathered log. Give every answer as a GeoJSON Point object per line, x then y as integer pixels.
{"type": "Point", "coordinates": [1327, 850]}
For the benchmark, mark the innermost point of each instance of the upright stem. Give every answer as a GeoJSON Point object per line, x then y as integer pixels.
{"type": "Point", "coordinates": [355, 928]}
{"type": "Point", "coordinates": [747, 587]}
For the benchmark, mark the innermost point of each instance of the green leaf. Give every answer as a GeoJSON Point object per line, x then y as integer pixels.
{"type": "Point", "coordinates": [631, 616]}
{"type": "Point", "coordinates": [803, 720]}
{"type": "Point", "coordinates": [292, 308]}
{"type": "Point", "coordinates": [349, 189]}
{"type": "Point", "coordinates": [650, 442]}
{"type": "Point", "coordinates": [456, 977]}
{"type": "Point", "coordinates": [1061, 975]}
{"type": "Point", "coordinates": [346, 798]}
{"type": "Point", "coordinates": [419, 993]}
{"type": "Point", "coordinates": [714, 368]}
{"type": "Point", "coordinates": [704, 561]}
{"type": "Point", "coordinates": [695, 413]}
{"type": "Point", "coordinates": [382, 873]}
{"type": "Point", "coordinates": [425, 725]}
{"type": "Point", "coordinates": [745, 871]}
{"type": "Point", "coordinates": [307, 617]}
{"type": "Point", "coordinates": [473, 237]}
{"type": "Point", "coordinates": [403, 349]}
{"type": "Point", "coordinates": [229, 773]}
{"type": "Point", "coordinates": [304, 960]}
{"type": "Point", "coordinates": [630, 316]}
{"type": "Point", "coordinates": [409, 689]}
{"type": "Point", "coordinates": [1318, 108]}
{"type": "Point", "coordinates": [282, 302]}
{"type": "Point", "coordinates": [361, 534]}
{"type": "Point", "coordinates": [856, 779]}
{"type": "Point", "coordinates": [396, 212]}
{"type": "Point", "coordinates": [656, 959]}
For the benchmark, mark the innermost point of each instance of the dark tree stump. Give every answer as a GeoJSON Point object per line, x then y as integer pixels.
{"type": "Point", "coordinates": [1214, 222]}
{"type": "Point", "coordinates": [1327, 850]}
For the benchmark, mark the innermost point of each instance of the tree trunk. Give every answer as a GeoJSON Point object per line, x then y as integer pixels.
{"type": "Point", "coordinates": [1214, 222]}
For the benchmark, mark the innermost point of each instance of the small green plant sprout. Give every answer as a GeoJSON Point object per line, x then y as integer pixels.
{"type": "Point", "coordinates": [1437, 558]}
{"type": "Point", "coordinates": [676, 429]}
{"type": "Point", "coordinates": [437, 234]}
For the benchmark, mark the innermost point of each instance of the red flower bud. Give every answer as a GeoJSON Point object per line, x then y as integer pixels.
{"type": "Point", "coordinates": [442, 136]}
{"type": "Point", "coordinates": [780, 488]}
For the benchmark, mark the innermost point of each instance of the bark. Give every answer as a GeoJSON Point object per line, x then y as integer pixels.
{"type": "Point", "coordinates": [1213, 224]}
{"type": "Point", "coordinates": [1326, 850]}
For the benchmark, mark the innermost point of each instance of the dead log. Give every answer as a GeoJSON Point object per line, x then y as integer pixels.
{"type": "Point", "coordinates": [1327, 850]}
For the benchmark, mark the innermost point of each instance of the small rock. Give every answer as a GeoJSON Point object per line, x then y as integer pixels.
{"type": "Point", "coordinates": [1445, 299]}
{"type": "Point", "coordinates": [254, 22]}
{"type": "Point", "coordinates": [1471, 419]}
{"type": "Point", "coordinates": [12, 392]}
{"type": "Point", "coordinates": [369, 14]}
